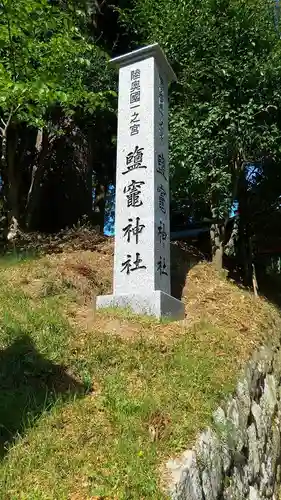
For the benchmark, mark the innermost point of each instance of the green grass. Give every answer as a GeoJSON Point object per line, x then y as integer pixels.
{"type": "Point", "coordinates": [78, 410]}
{"type": "Point", "coordinates": [16, 257]}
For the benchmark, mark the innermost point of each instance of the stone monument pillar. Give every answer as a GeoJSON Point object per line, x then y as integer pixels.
{"type": "Point", "coordinates": [142, 279]}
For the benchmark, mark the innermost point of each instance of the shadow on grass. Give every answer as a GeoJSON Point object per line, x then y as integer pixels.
{"type": "Point", "coordinates": [269, 285]}
{"type": "Point", "coordinates": [270, 288]}
{"type": "Point", "coordinates": [14, 257]}
{"type": "Point", "coordinates": [183, 258]}
{"type": "Point", "coordinates": [29, 384]}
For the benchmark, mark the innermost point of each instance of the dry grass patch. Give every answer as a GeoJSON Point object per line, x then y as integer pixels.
{"type": "Point", "coordinates": [211, 297]}
{"type": "Point", "coordinates": [82, 272]}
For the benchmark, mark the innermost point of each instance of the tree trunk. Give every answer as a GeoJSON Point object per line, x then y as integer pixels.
{"type": "Point", "coordinates": [90, 164]}
{"type": "Point", "coordinates": [99, 206]}
{"type": "Point", "coordinates": [13, 216]}
{"type": "Point", "coordinates": [14, 179]}
{"type": "Point", "coordinates": [217, 238]}
{"type": "Point", "coordinates": [216, 235]}
{"type": "Point", "coordinates": [37, 172]}
{"type": "Point", "coordinates": [4, 178]}
{"type": "Point", "coordinates": [10, 175]}
{"type": "Point", "coordinates": [244, 241]}
{"type": "Point", "coordinates": [230, 244]}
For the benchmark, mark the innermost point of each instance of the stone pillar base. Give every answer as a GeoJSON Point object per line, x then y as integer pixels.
{"type": "Point", "coordinates": [155, 303]}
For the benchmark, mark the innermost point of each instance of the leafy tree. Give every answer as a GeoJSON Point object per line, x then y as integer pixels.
{"type": "Point", "coordinates": [50, 71]}
{"type": "Point", "coordinates": [224, 107]}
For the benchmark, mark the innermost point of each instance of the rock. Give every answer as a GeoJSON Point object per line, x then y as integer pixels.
{"type": "Point", "coordinates": [279, 398]}
{"type": "Point", "coordinates": [208, 451]}
{"type": "Point", "coordinates": [277, 365]}
{"type": "Point", "coordinates": [254, 494]}
{"type": "Point", "coordinates": [226, 457]}
{"type": "Point", "coordinates": [272, 457]}
{"type": "Point", "coordinates": [251, 375]}
{"type": "Point", "coordinates": [264, 480]}
{"type": "Point", "coordinates": [268, 405]}
{"type": "Point", "coordinates": [235, 491]}
{"type": "Point", "coordinates": [254, 459]}
{"type": "Point", "coordinates": [186, 482]}
{"type": "Point", "coordinates": [243, 401]}
{"type": "Point", "coordinates": [236, 429]}
{"type": "Point", "coordinates": [278, 474]}
{"type": "Point", "coordinates": [241, 459]}
{"type": "Point", "coordinates": [219, 417]}
{"type": "Point", "coordinates": [207, 486]}
{"type": "Point", "coordinates": [256, 412]}
{"type": "Point", "coordinates": [220, 422]}
{"type": "Point", "coordinates": [264, 360]}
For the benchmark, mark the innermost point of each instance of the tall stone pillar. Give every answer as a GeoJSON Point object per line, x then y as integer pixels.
{"type": "Point", "coordinates": [142, 276]}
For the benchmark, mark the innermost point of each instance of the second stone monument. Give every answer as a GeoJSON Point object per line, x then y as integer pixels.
{"type": "Point", "coordinates": [142, 227]}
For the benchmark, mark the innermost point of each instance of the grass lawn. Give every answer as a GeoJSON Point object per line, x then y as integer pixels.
{"type": "Point", "coordinates": [93, 404]}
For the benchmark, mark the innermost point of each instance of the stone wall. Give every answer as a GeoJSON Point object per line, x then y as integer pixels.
{"type": "Point", "coordinates": [238, 458]}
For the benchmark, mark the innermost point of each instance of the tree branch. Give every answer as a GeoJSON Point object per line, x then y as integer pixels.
{"type": "Point", "coordinates": [7, 123]}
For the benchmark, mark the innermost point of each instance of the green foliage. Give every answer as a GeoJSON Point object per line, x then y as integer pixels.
{"type": "Point", "coordinates": [47, 60]}
{"type": "Point", "coordinates": [226, 54]}
{"type": "Point", "coordinates": [54, 82]}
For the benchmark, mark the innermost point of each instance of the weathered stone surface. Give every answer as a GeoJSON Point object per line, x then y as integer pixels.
{"type": "Point", "coordinates": [272, 455]}
{"type": "Point", "coordinates": [254, 494]}
{"type": "Point", "coordinates": [277, 365]}
{"type": "Point", "coordinates": [235, 491]}
{"type": "Point", "coordinates": [220, 422]}
{"type": "Point", "coordinates": [268, 405]}
{"type": "Point", "coordinates": [251, 374]}
{"type": "Point", "coordinates": [264, 359]}
{"type": "Point", "coordinates": [243, 401]}
{"type": "Point", "coordinates": [208, 450]}
{"type": "Point", "coordinates": [279, 397]}
{"type": "Point", "coordinates": [269, 397]}
{"type": "Point", "coordinates": [236, 429]}
{"type": "Point", "coordinates": [254, 459]}
{"type": "Point", "coordinates": [264, 481]}
{"type": "Point", "coordinates": [186, 482]}
{"type": "Point", "coordinates": [242, 459]}
{"type": "Point", "coordinates": [256, 412]}
{"type": "Point", "coordinates": [278, 474]}
{"type": "Point", "coordinates": [219, 417]}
